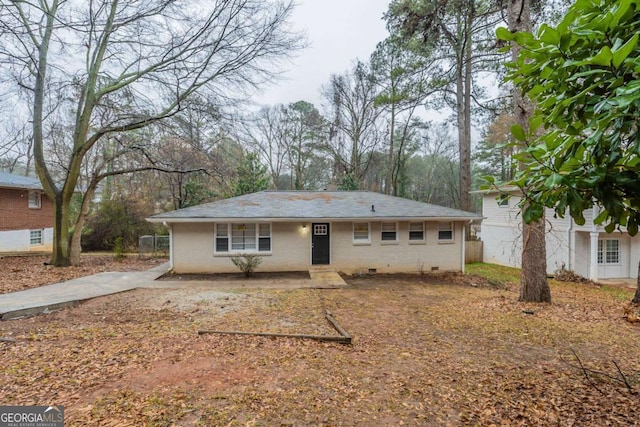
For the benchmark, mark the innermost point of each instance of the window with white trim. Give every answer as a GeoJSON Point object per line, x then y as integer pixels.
{"type": "Point", "coordinates": [35, 237]}
{"type": "Point", "coordinates": [222, 237]}
{"type": "Point", "coordinates": [242, 237]}
{"type": "Point", "coordinates": [264, 238]}
{"type": "Point", "coordinates": [445, 231]}
{"type": "Point", "coordinates": [416, 231]}
{"type": "Point", "coordinates": [35, 200]}
{"type": "Point", "coordinates": [609, 251]}
{"type": "Point", "coordinates": [389, 232]}
{"type": "Point", "coordinates": [361, 232]}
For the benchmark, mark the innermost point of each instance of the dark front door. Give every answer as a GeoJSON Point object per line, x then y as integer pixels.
{"type": "Point", "coordinates": [320, 243]}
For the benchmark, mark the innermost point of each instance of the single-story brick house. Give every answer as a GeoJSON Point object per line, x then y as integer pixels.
{"type": "Point", "coordinates": [348, 231]}
{"type": "Point", "coordinates": [26, 215]}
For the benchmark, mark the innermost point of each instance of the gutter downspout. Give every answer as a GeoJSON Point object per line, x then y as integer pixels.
{"type": "Point", "coordinates": [464, 248]}
{"type": "Point", "coordinates": [593, 252]}
{"type": "Point", "coordinates": [570, 244]}
{"type": "Point", "coordinates": [170, 244]}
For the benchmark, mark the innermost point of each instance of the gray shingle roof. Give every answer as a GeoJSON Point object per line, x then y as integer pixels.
{"type": "Point", "coordinates": [283, 205]}
{"type": "Point", "coordinates": [9, 180]}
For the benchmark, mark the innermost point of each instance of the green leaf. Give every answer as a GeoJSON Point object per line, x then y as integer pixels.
{"type": "Point", "coordinates": [603, 57]}
{"type": "Point", "coordinates": [535, 123]}
{"type": "Point", "coordinates": [601, 217]}
{"type": "Point", "coordinates": [504, 34]}
{"type": "Point", "coordinates": [549, 35]}
{"type": "Point", "coordinates": [610, 227]}
{"type": "Point", "coordinates": [518, 133]}
{"type": "Point", "coordinates": [624, 51]}
{"type": "Point", "coordinates": [553, 181]}
{"type": "Point", "coordinates": [533, 212]}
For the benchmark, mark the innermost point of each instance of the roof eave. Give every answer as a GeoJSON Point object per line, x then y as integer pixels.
{"type": "Point", "coordinates": [167, 220]}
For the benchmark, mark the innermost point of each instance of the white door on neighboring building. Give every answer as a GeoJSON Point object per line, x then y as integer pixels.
{"type": "Point", "coordinates": [613, 258]}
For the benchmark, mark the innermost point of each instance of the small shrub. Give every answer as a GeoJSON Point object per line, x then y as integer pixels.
{"type": "Point", "coordinates": [118, 248]}
{"type": "Point", "coordinates": [247, 263]}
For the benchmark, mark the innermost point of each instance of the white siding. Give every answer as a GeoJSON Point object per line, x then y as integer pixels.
{"type": "Point", "coordinates": [20, 241]}
{"type": "Point", "coordinates": [567, 243]}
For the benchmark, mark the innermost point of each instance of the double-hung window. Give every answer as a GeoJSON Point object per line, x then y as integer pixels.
{"type": "Point", "coordinates": [361, 232]}
{"type": "Point", "coordinates": [35, 200]}
{"type": "Point", "coordinates": [445, 231]}
{"type": "Point", "coordinates": [264, 238]}
{"type": "Point", "coordinates": [389, 232]}
{"type": "Point", "coordinates": [416, 231]}
{"type": "Point", "coordinates": [609, 251]}
{"type": "Point", "coordinates": [243, 237]}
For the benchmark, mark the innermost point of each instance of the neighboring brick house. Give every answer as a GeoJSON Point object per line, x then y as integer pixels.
{"type": "Point", "coordinates": [26, 215]}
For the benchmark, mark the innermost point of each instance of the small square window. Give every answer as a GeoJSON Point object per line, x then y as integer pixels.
{"type": "Point", "coordinates": [503, 202]}
{"type": "Point", "coordinates": [35, 237]}
{"type": "Point", "coordinates": [445, 231]}
{"type": "Point", "coordinates": [35, 200]}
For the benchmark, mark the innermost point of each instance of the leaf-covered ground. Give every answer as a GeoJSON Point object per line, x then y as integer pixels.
{"type": "Point", "coordinates": [23, 272]}
{"type": "Point", "coordinates": [428, 350]}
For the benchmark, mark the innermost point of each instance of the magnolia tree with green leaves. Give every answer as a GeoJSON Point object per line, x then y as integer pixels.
{"type": "Point", "coordinates": [584, 77]}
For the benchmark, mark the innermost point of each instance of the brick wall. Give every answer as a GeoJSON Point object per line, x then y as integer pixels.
{"type": "Point", "coordinates": [15, 213]}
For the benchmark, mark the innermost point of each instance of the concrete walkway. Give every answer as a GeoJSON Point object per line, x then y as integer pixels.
{"type": "Point", "coordinates": [64, 294]}
{"type": "Point", "coordinates": [51, 297]}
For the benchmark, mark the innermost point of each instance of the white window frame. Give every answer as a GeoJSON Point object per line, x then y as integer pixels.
{"type": "Point", "coordinates": [224, 230]}
{"type": "Point", "coordinates": [604, 251]}
{"type": "Point", "coordinates": [503, 202]}
{"type": "Point", "coordinates": [39, 239]}
{"type": "Point", "coordinates": [394, 231]}
{"type": "Point", "coordinates": [450, 229]}
{"type": "Point", "coordinates": [361, 241]}
{"type": "Point", "coordinates": [422, 230]}
{"type": "Point", "coordinates": [35, 200]}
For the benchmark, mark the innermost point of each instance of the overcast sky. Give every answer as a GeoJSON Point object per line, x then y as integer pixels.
{"type": "Point", "coordinates": [339, 32]}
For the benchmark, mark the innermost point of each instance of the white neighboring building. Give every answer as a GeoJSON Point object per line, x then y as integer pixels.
{"type": "Point", "coordinates": [587, 250]}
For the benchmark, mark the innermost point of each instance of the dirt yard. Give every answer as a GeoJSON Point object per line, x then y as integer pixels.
{"type": "Point", "coordinates": [19, 273]}
{"type": "Point", "coordinates": [428, 350]}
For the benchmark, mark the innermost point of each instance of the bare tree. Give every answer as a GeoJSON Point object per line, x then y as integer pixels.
{"type": "Point", "coordinates": [355, 126]}
{"type": "Point", "coordinates": [114, 66]}
{"type": "Point", "coordinates": [265, 133]}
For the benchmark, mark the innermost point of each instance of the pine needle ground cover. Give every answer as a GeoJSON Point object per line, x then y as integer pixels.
{"type": "Point", "coordinates": [427, 350]}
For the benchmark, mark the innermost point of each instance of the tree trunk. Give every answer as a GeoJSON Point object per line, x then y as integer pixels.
{"type": "Point", "coordinates": [76, 237]}
{"type": "Point", "coordinates": [465, 142]}
{"type": "Point", "coordinates": [533, 279]}
{"type": "Point", "coordinates": [389, 186]}
{"type": "Point", "coordinates": [60, 256]}
{"type": "Point", "coordinates": [636, 297]}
